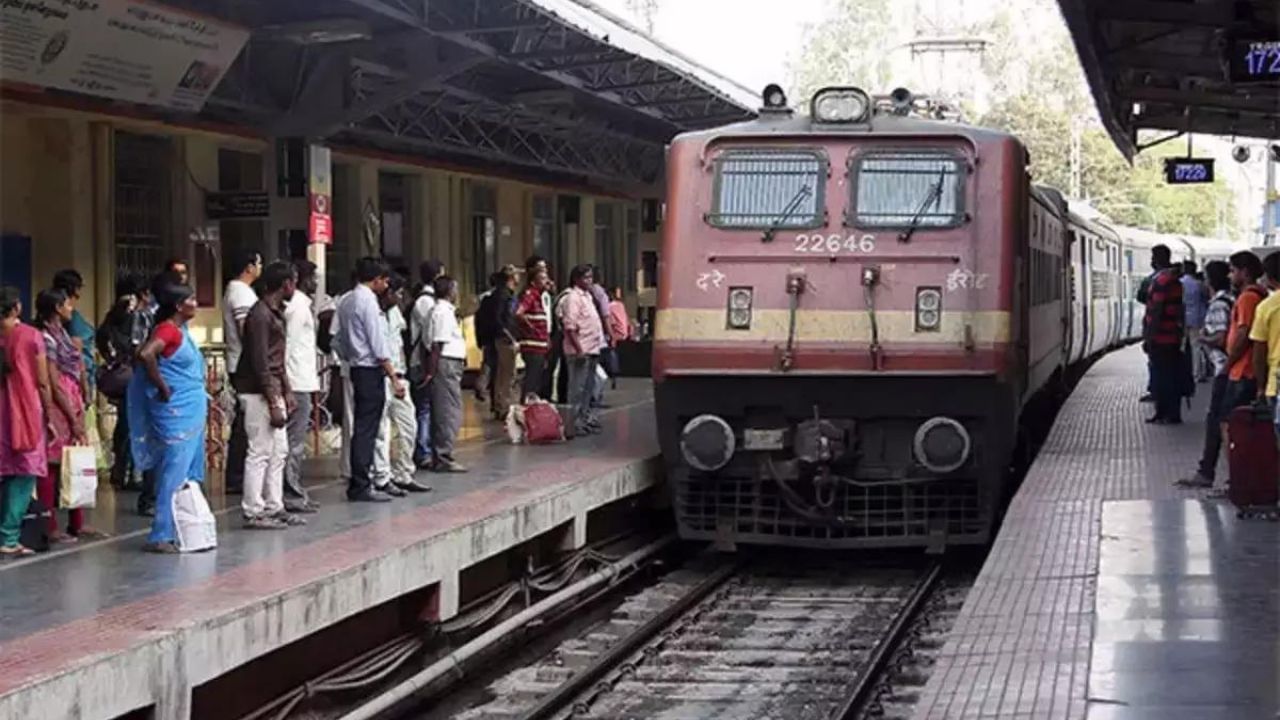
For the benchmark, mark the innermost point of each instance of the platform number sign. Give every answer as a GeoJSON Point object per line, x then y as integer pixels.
{"type": "Point", "coordinates": [1254, 60]}
{"type": "Point", "coordinates": [1188, 171]}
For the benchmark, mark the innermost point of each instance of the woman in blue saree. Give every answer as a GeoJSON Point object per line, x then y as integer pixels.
{"type": "Point", "coordinates": [167, 407]}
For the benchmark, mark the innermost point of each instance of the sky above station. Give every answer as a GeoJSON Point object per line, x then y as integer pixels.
{"type": "Point", "coordinates": [753, 42]}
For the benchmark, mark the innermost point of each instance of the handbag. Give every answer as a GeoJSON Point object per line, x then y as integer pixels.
{"type": "Point", "coordinates": [542, 424]}
{"type": "Point", "coordinates": [93, 434]}
{"type": "Point", "coordinates": [78, 479]}
{"type": "Point", "coordinates": [34, 531]}
{"type": "Point", "coordinates": [113, 379]}
{"type": "Point", "coordinates": [515, 424]}
{"type": "Point", "coordinates": [197, 527]}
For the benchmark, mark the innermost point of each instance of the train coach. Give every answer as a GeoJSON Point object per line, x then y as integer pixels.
{"type": "Point", "coordinates": [855, 308]}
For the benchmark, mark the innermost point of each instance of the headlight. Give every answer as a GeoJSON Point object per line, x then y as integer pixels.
{"type": "Point", "coordinates": [740, 308]}
{"type": "Point", "coordinates": [840, 105]}
{"type": "Point", "coordinates": [707, 443]}
{"type": "Point", "coordinates": [942, 444]}
{"type": "Point", "coordinates": [928, 308]}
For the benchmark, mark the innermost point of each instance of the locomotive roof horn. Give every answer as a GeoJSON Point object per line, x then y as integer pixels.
{"type": "Point", "coordinates": [903, 100]}
{"type": "Point", "coordinates": [774, 99]}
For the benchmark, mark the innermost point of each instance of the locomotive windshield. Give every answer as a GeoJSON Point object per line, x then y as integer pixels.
{"type": "Point", "coordinates": [768, 188]}
{"type": "Point", "coordinates": [907, 189]}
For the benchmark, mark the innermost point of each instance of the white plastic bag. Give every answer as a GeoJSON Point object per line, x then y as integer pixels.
{"type": "Point", "coordinates": [515, 424]}
{"type": "Point", "coordinates": [197, 528]}
{"type": "Point", "coordinates": [78, 483]}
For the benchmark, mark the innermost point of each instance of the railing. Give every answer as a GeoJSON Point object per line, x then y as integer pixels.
{"type": "Point", "coordinates": [222, 405]}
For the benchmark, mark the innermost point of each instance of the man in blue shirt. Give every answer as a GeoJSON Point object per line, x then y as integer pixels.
{"type": "Point", "coordinates": [361, 343]}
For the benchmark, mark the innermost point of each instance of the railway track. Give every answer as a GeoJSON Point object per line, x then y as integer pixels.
{"type": "Point", "coordinates": [756, 639]}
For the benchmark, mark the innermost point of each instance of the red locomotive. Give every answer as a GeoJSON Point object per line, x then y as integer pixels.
{"type": "Point", "coordinates": [854, 309]}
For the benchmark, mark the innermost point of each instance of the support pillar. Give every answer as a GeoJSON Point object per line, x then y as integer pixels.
{"type": "Point", "coordinates": [173, 683]}
{"type": "Point", "coordinates": [448, 595]}
{"type": "Point", "coordinates": [102, 222]}
{"type": "Point", "coordinates": [575, 536]}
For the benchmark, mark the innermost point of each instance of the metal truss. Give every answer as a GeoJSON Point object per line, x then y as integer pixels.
{"type": "Point", "coordinates": [505, 81]}
{"type": "Point", "coordinates": [460, 122]}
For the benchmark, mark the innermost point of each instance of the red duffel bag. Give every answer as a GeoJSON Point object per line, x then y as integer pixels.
{"type": "Point", "coordinates": [542, 424]}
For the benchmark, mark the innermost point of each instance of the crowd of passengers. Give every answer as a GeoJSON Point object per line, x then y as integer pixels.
{"type": "Point", "coordinates": [1220, 327]}
{"type": "Point", "coordinates": [396, 349]}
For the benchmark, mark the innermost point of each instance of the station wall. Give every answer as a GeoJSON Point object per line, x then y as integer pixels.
{"type": "Point", "coordinates": [105, 193]}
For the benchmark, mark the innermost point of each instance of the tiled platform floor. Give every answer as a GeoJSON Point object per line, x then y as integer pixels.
{"type": "Point", "coordinates": [92, 617]}
{"type": "Point", "coordinates": [1111, 593]}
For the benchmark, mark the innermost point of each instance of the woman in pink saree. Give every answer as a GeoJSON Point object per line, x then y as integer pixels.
{"type": "Point", "coordinates": [24, 395]}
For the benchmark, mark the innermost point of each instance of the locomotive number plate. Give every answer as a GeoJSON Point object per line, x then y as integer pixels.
{"type": "Point", "coordinates": [762, 439]}
{"type": "Point", "coordinates": [834, 244]}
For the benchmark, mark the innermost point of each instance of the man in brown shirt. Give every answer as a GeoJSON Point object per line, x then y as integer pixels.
{"type": "Point", "coordinates": [263, 385]}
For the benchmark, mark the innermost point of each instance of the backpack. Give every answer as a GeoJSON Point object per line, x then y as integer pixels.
{"type": "Point", "coordinates": [486, 321]}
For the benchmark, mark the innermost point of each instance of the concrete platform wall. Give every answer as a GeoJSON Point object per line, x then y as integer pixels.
{"type": "Point", "coordinates": [252, 610]}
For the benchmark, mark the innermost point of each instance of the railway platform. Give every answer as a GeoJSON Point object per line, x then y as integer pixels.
{"type": "Point", "coordinates": [1111, 593]}
{"type": "Point", "coordinates": [102, 630]}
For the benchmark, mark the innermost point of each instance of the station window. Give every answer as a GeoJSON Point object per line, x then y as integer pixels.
{"type": "Point", "coordinates": [607, 250]}
{"type": "Point", "coordinates": [394, 193]}
{"type": "Point", "coordinates": [628, 282]}
{"type": "Point", "coordinates": [892, 188]}
{"type": "Point", "coordinates": [141, 207]}
{"type": "Point", "coordinates": [484, 236]}
{"type": "Point", "coordinates": [544, 229]}
{"type": "Point", "coordinates": [759, 188]}
{"type": "Point", "coordinates": [649, 269]}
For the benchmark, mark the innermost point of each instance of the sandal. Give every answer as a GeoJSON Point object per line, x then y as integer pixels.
{"type": "Point", "coordinates": [61, 537]}
{"type": "Point", "coordinates": [16, 551]}
{"type": "Point", "coordinates": [161, 548]}
{"type": "Point", "coordinates": [88, 533]}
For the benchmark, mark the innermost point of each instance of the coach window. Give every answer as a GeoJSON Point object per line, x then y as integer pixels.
{"type": "Point", "coordinates": [762, 188]}
{"type": "Point", "coordinates": [899, 189]}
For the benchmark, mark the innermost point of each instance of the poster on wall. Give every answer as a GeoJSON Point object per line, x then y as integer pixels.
{"type": "Point", "coordinates": [120, 49]}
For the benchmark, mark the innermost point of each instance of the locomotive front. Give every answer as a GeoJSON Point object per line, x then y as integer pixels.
{"type": "Point", "coordinates": [836, 358]}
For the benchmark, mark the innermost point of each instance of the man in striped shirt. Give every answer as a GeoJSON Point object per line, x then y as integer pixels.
{"type": "Point", "coordinates": [1163, 332]}
{"type": "Point", "coordinates": [535, 331]}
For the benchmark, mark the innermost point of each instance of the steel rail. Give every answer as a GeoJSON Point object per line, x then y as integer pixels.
{"type": "Point", "coordinates": [568, 691]}
{"type": "Point", "coordinates": [455, 662]}
{"type": "Point", "coordinates": [873, 671]}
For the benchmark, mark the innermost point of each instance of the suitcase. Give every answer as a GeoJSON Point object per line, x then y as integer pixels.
{"type": "Point", "coordinates": [1253, 461]}
{"type": "Point", "coordinates": [34, 533]}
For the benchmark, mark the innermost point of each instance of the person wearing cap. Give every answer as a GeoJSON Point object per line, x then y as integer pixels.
{"type": "Point", "coordinates": [505, 342]}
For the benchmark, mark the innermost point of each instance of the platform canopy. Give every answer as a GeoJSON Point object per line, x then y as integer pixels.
{"type": "Point", "coordinates": [554, 86]}
{"type": "Point", "coordinates": [1177, 65]}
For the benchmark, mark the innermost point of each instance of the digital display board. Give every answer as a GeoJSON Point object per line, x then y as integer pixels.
{"type": "Point", "coordinates": [1188, 171]}
{"type": "Point", "coordinates": [1253, 60]}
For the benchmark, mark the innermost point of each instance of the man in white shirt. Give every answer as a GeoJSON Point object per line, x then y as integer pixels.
{"type": "Point", "coordinates": [419, 331]}
{"type": "Point", "coordinates": [394, 475]}
{"type": "Point", "coordinates": [238, 299]}
{"type": "Point", "coordinates": [301, 365]}
{"type": "Point", "coordinates": [448, 360]}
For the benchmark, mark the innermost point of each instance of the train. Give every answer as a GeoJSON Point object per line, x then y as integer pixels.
{"type": "Point", "coordinates": [857, 309]}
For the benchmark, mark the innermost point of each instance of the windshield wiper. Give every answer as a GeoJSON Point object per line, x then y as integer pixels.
{"type": "Point", "coordinates": [934, 196]}
{"type": "Point", "coordinates": [787, 211]}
